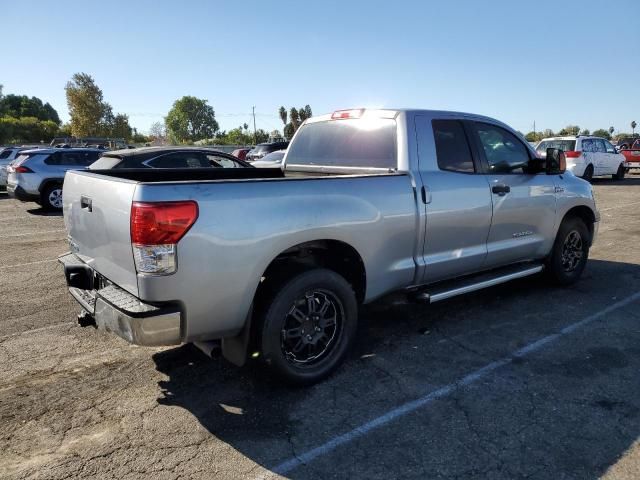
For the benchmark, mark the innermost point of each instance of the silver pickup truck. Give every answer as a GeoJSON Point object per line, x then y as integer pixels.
{"type": "Point", "coordinates": [273, 263]}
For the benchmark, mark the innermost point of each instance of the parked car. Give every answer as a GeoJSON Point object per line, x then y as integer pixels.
{"type": "Point", "coordinates": [270, 160]}
{"type": "Point", "coordinates": [240, 153]}
{"type": "Point", "coordinates": [588, 156]}
{"type": "Point", "coordinates": [625, 142]}
{"type": "Point", "coordinates": [167, 157]}
{"type": "Point", "coordinates": [37, 175]}
{"type": "Point", "coordinates": [7, 155]}
{"type": "Point", "coordinates": [632, 154]}
{"type": "Point", "coordinates": [275, 262]}
{"type": "Point", "coordinates": [260, 150]}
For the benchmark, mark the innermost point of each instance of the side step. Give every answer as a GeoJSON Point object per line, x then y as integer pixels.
{"type": "Point", "coordinates": [452, 288]}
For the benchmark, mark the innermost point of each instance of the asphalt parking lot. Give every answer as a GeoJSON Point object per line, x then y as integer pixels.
{"type": "Point", "coordinates": [519, 381]}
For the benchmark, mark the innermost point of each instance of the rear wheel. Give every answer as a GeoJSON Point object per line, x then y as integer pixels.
{"type": "Point", "coordinates": [619, 175]}
{"type": "Point", "coordinates": [52, 198]}
{"type": "Point", "coordinates": [588, 173]}
{"type": "Point", "coordinates": [308, 326]}
{"type": "Point", "coordinates": [570, 252]}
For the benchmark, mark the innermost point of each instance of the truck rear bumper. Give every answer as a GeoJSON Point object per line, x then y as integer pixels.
{"type": "Point", "coordinates": [116, 310]}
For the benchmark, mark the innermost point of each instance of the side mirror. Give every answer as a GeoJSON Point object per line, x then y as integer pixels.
{"type": "Point", "coordinates": [556, 161]}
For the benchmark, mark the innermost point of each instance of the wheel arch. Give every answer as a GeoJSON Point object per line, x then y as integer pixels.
{"type": "Point", "coordinates": [584, 213]}
{"type": "Point", "coordinates": [46, 183]}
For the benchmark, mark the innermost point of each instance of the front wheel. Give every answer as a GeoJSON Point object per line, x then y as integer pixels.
{"type": "Point", "coordinates": [570, 252]}
{"type": "Point", "coordinates": [619, 175]}
{"type": "Point", "coordinates": [309, 326]}
{"type": "Point", "coordinates": [52, 198]}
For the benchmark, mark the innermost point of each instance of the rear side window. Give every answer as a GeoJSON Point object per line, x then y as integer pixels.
{"type": "Point", "coordinates": [503, 151]}
{"type": "Point", "coordinates": [452, 147]}
{"type": "Point", "coordinates": [72, 159]}
{"type": "Point", "coordinates": [588, 145]}
{"type": "Point", "coordinates": [105, 163]}
{"type": "Point", "coordinates": [366, 142]}
{"type": "Point", "coordinates": [180, 160]}
{"type": "Point", "coordinates": [219, 161]}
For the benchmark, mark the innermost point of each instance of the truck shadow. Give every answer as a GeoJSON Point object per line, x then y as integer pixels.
{"type": "Point", "coordinates": [266, 421]}
{"type": "Point", "coordinates": [629, 180]}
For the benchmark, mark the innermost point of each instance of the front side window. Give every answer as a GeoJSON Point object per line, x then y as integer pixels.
{"type": "Point", "coordinates": [609, 147]}
{"type": "Point", "coordinates": [452, 148]}
{"type": "Point", "coordinates": [600, 145]}
{"type": "Point", "coordinates": [503, 151]}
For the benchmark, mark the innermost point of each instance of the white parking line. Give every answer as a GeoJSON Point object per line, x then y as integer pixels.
{"type": "Point", "coordinates": [32, 233]}
{"type": "Point", "coordinates": [409, 407]}
{"type": "Point", "coordinates": [28, 263]}
{"type": "Point", "coordinates": [36, 330]}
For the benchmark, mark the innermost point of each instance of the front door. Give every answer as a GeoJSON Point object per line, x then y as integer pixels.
{"type": "Point", "coordinates": [524, 203]}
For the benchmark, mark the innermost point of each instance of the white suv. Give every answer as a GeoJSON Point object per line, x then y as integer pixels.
{"type": "Point", "coordinates": [587, 157]}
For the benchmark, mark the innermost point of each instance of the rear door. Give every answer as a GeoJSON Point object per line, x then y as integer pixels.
{"type": "Point", "coordinates": [590, 155]}
{"type": "Point", "coordinates": [97, 209]}
{"type": "Point", "coordinates": [604, 162]}
{"type": "Point", "coordinates": [524, 203]}
{"type": "Point", "coordinates": [456, 200]}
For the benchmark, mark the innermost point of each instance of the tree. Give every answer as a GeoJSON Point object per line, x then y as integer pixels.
{"type": "Point", "coordinates": [158, 132]}
{"type": "Point", "coordinates": [585, 132]}
{"type": "Point", "coordinates": [601, 132]}
{"type": "Point", "coordinates": [570, 130]}
{"type": "Point", "coordinates": [295, 118]}
{"type": "Point", "coordinates": [88, 111]}
{"type": "Point", "coordinates": [633, 128]}
{"type": "Point", "coordinates": [191, 119]}
{"type": "Point", "coordinates": [283, 115]}
{"type": "Point", "coordinates": [120, 127]}
{"type": "Point", "coordinates": [22, 106]}
{"type": "Point", "coordinates": [533, 137]}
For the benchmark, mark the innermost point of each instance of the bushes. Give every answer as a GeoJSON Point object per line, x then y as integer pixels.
{"type": "Point", "coordinates": [26, 130]}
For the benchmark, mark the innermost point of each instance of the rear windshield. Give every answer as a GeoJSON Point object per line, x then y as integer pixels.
{"type": "Point", "coordinates": [105, 163]}
{"type": "Point", "coordinates": [369, 143]}
{"type": "Point", "coordinates": [564, 145]}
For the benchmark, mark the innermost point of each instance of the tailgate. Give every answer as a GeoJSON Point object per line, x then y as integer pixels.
{"type": "Point", "coordinates": [96, 214]}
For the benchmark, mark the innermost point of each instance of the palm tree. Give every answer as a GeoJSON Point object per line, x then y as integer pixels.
{"type": "Point", "coordinates": [283, 115]}
{"type": "Point", "coordinates": [633, 127]}
{"type": "Point", "coordinates": [611, 130]}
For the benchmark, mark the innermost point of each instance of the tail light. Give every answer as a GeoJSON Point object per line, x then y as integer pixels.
{"type": "Point", "coordinates": [21, 169]}
{"type": "Point", "coordinates": [156, 228]}
{"type": "Point", "coordinates": [573, 153]}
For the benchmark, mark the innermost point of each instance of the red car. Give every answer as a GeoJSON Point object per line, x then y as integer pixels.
{"type": "Point", "coordinates": [632, 155]}
{"type": "Point", "coordinates": [240, 153]}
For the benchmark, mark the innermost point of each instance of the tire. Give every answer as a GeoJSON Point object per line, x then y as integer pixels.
{"type": "Point", "coordinates": [570, 252]}
{"type": "Point", "coordinates": [52, 198]}
{"type": "Point", "coordinates": [619, 175]}
{"type": "Point", "coordinates": [588, 173]}
{"type": "Point", "coordinates": [319, 303]}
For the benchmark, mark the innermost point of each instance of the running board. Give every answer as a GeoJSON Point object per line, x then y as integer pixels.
{"type": "Point", "coordinates": [448, 290]}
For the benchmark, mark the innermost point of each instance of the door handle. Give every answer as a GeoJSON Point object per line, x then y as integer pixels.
{"type": "Point", "coordinates": [85, 202]}
{"type": "Point", "coordinates": [501, 189]}
{"type": "Point", "coordinates": [426, 195]}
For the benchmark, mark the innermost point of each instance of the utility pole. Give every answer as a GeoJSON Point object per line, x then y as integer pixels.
{"type": "Point", "coordinates": [255, 135]}
{"type": "Point", "coordinates": [534, 131]}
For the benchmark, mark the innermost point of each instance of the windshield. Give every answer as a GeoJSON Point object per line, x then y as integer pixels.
{"type": "Point", "coordinates": [274, 156]}
{"type": "Point", "coordinates": [564, 145]}
{"type": "Point", "coordinates": [366, 142]}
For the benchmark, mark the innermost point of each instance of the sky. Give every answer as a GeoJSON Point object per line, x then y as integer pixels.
{"type": "Point", "coordinates": [552, 62]}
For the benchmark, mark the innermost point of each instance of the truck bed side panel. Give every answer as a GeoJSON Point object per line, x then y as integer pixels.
{"type": "Point", "coordinates": [244, 225]}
